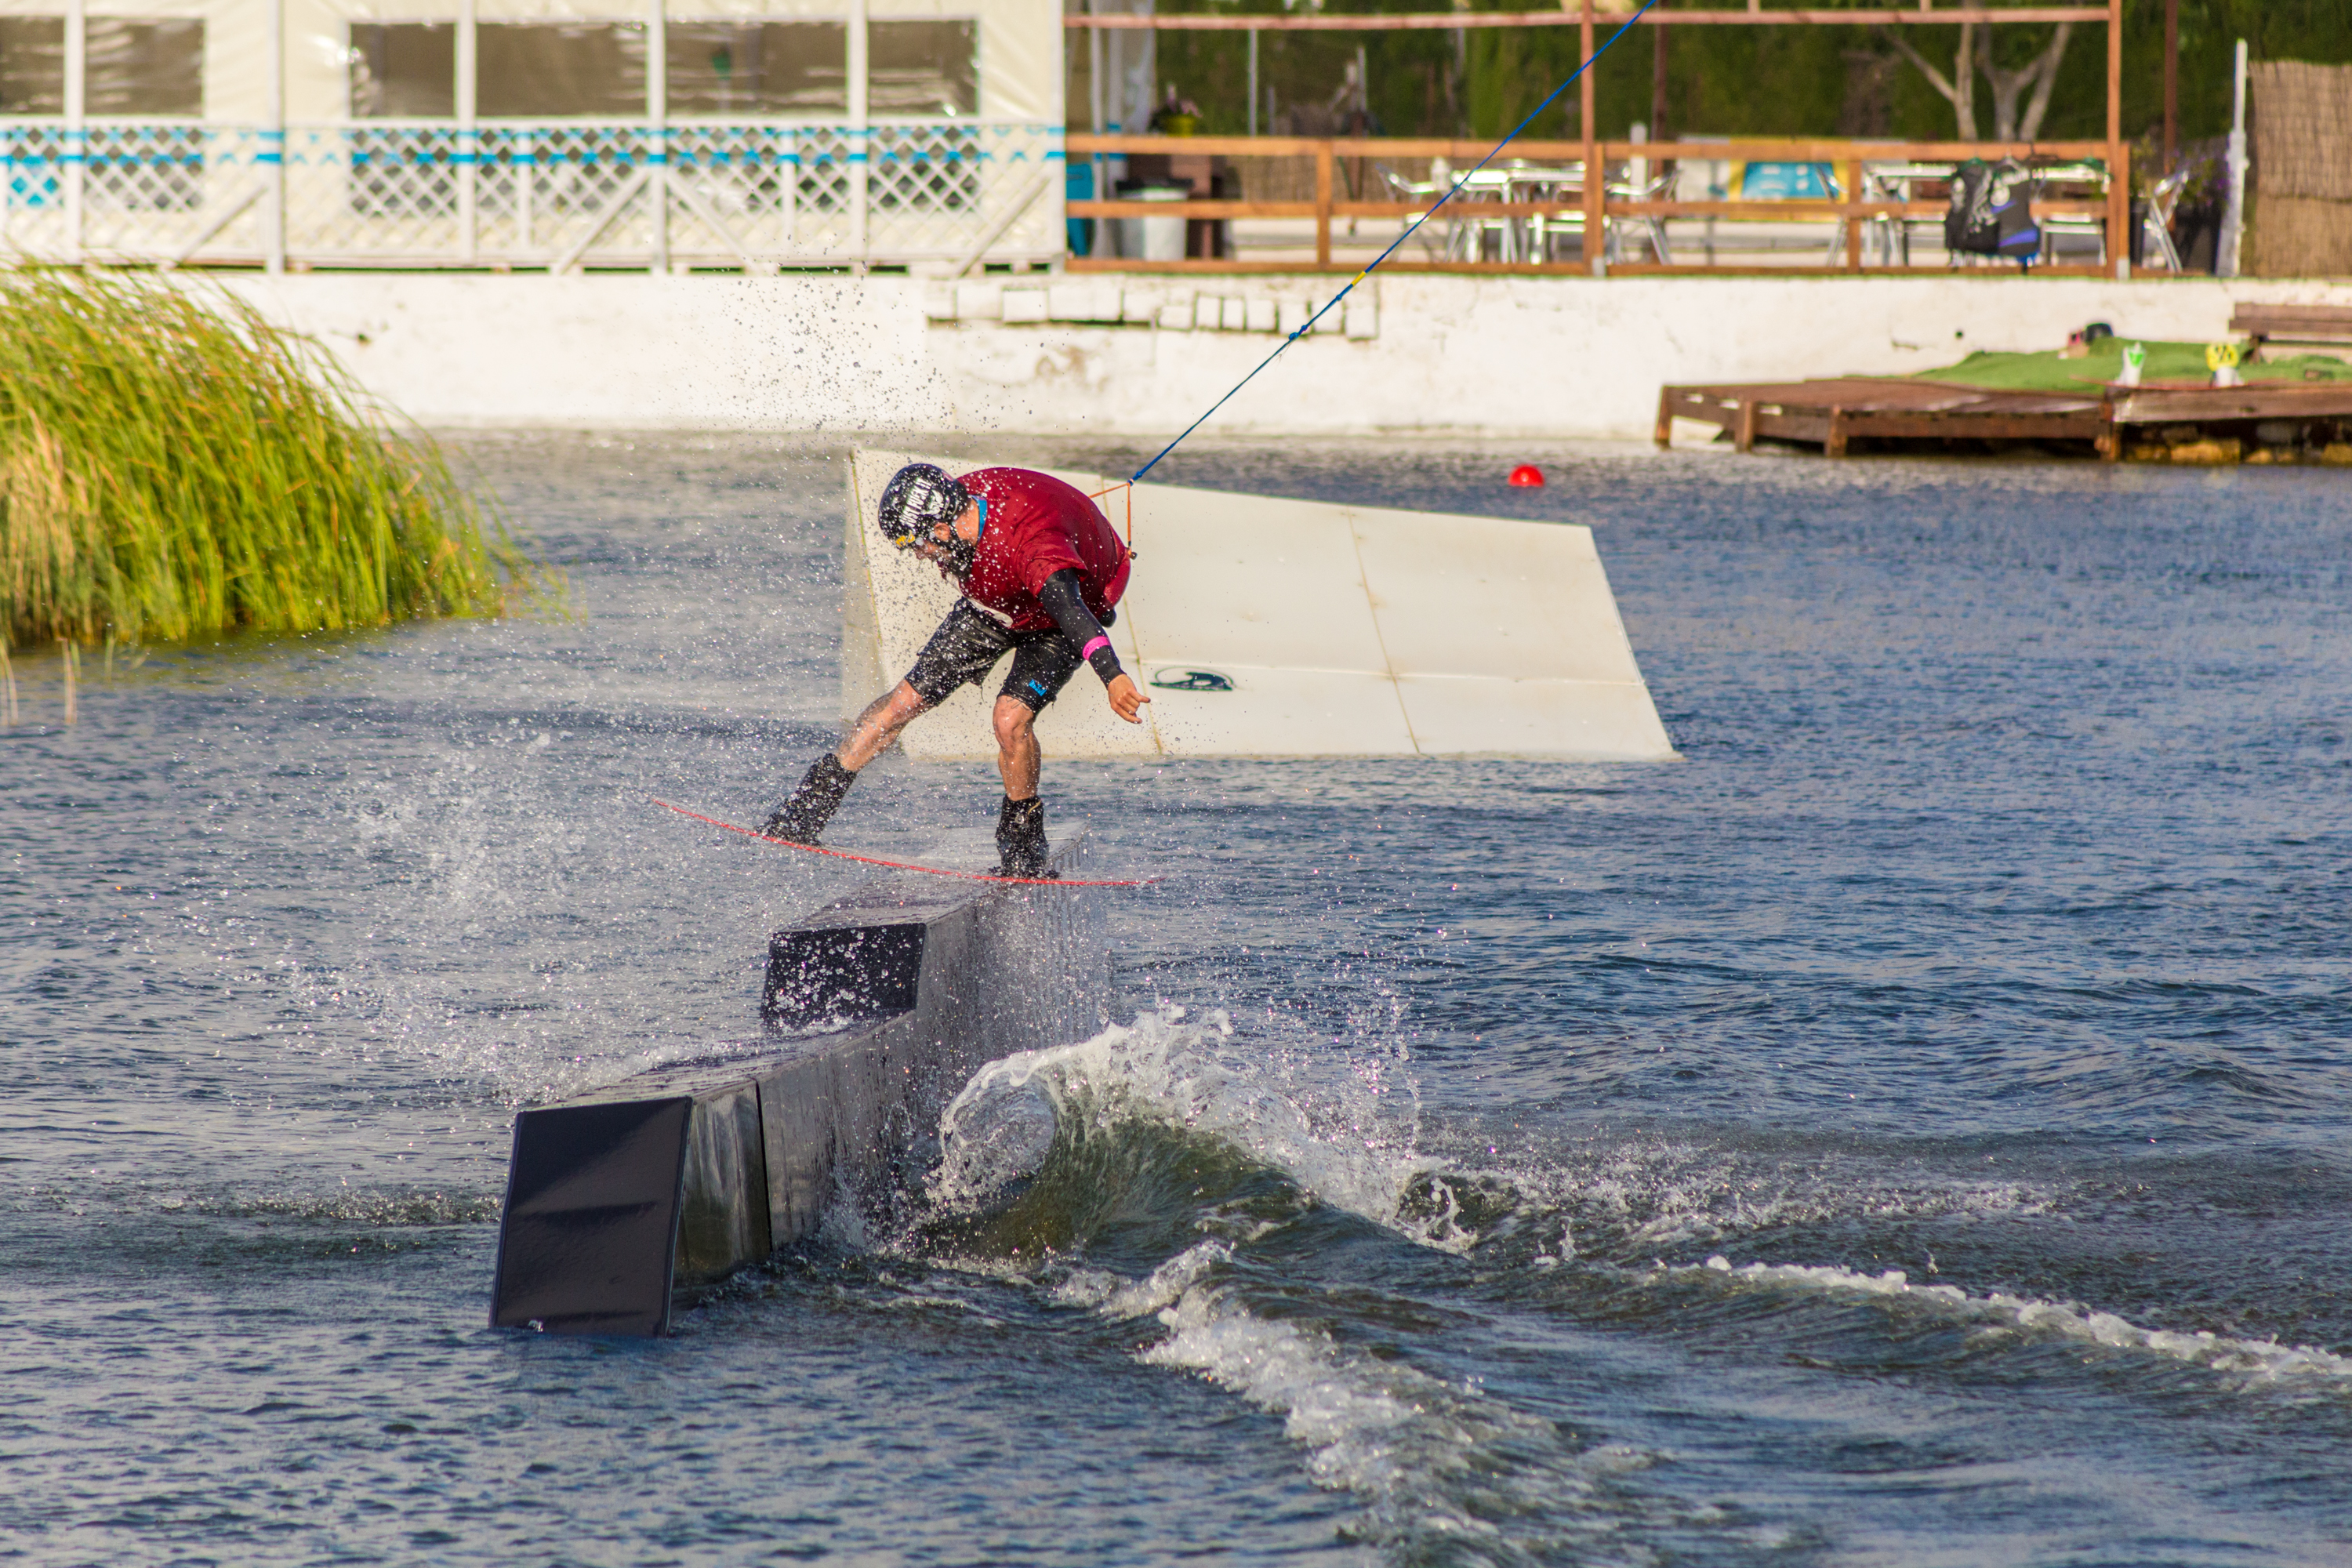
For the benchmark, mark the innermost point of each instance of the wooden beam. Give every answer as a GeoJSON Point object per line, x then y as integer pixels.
{"type": "Point", "coordinates": [1593, 245]}
{"type": "Point", "coordinates": [2119, 236]}
{"type": "Point", "coordinates": [2171, 84]}
{"type": "Point", "coordinates": [1748, 212]}
{"type": "Point", "coordinates": [1990, 277]}
{"type": "Point", "coordinates": [1786, 150]}
{"type": "Point", "coordinates": [1449, 21]}
{"type": "Point", "coordinates": [1658, 84]}
{"type": "Point", "coordinates": [1323, 205]}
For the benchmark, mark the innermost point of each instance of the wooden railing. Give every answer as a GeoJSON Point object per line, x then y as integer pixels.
{"type": "Point", "coordinates": [1596, 205]}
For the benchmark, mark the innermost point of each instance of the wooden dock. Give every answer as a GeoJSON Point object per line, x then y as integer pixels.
{"type": "Point", "coordinates": [2217, 424]}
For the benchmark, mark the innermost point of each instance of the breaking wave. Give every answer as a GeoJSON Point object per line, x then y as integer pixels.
{"type": "Point", "coordinates": [1220, 1142]}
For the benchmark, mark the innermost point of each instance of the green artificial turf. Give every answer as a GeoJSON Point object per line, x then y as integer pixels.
{"type": "Point", "coordinates": [2166, 362]}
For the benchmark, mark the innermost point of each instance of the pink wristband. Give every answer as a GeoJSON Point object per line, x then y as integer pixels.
{"type": "Point", "coordinates": [1088, 651]}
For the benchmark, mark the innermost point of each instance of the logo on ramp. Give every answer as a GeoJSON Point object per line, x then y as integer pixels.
{"type": "Point", "coordinates": [1181, 679]}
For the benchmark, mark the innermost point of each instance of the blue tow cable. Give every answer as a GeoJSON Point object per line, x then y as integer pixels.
{"type": "Point", "coordinates": [1408, 234]}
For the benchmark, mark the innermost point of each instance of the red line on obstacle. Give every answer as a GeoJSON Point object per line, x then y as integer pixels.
{"type": "Point", "coordinates": [901, 865]}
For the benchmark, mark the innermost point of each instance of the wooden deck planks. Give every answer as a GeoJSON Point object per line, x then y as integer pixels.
{"type": "Point", "coordinates": [1833, 412]}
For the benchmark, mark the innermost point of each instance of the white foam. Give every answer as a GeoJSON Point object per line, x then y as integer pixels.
{"type": "Point", "coordinates": [1114, 1297]}
{"type": "Point", "coordinates": [1661, 1194]}
{"type": "Point", "coordinates": [2252, 1360]}
{"type": "Point", "coordinates": [1347, 1136]}
{"type": "Point", "coordinates": [1424, 1455]}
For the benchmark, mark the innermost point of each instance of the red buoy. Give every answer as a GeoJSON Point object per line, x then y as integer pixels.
{"type": "Point", "coordinates": [1526, 475]}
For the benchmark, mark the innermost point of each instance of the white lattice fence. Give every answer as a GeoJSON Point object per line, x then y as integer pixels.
{"type": "Point", "coordinates": [933, 190]}
{"type": "Point", "coordinates": [152, 191]}
{"type": "Point", "coordinates": [33, 187]}
{"type": "Point", "coordinates": [545, 189]}
{"type": "Point", "coordinates": [429, 193]}
{"type": "Point", "coordinates": [388, 193]}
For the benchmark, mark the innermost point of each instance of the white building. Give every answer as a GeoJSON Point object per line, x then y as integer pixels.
{"type": "Point", "coordinates": [614, 133]}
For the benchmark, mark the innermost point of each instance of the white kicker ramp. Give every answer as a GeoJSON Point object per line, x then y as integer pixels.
{"type": "Point", "coordinates": [1261, 627]}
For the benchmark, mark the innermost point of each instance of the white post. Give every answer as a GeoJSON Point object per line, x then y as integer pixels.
{"type": "Point", "coordinates": [658, 127]}
{"type": "Point", "coordinates": [469, 141]}
{"type": "Point", "coordinates": [273, 141]}
{"type": "Point", "coordinates": [2233, 211]}
{"type": "Point", "coordinates": [860, 134]}
{"type": "Point", "coordinates": [77, 147]}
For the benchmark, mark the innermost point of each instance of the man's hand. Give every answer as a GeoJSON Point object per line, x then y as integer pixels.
{"type": "Point", "coordinates": [1125, 700]}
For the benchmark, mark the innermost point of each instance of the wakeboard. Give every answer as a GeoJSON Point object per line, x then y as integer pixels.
{"type": "Point", "coordinates": [903, 865]}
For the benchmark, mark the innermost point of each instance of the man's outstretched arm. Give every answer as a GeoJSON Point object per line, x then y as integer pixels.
{"type": "Point", "coordinates": [1062, 601]}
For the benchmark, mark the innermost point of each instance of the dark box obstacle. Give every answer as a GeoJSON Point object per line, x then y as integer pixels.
{"type": "Point", "coordinates": [880, 1005]}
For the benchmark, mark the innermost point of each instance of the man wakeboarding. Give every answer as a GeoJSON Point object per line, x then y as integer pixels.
{"type": "Point", "coordinates": [1040, 571]}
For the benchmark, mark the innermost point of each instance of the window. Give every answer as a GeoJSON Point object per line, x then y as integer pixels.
{"type": "Point", "coordinates": [32, 65]}
{"type": "Point", "coordinates": [144, 67]}
{"type": "Point", "coordinates": [923, 68]}
{"type": "Point", "coordinates": [534, 70]}
{"type": "Point", "coordinates": [759, 68]}
{"type": "Point", "coordinates": [404, 70]}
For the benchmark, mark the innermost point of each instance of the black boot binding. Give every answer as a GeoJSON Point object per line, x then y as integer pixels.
{"type": "Point", "coordinates": [1021, 839]}
{"type": "Point", "coordinates": [801, 818]}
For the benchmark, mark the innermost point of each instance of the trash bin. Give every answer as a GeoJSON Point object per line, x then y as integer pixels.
{"type": "Point", "coordinates": [1078, 185]}
{"type": "Point", "coordinates": [1152, 238]}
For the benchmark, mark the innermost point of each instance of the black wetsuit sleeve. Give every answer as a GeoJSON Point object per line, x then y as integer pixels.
{"type": "Point", "coordinates": [1062, 602]}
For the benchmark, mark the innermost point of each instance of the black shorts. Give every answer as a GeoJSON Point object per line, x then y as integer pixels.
{"type": "Point", "coordinates": [969, 642]}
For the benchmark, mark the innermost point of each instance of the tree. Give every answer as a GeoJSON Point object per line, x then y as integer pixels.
{"type": "Point", "coordinates": [2040, 74]}
{"type": "Point", "coordinates": [1959, 87]}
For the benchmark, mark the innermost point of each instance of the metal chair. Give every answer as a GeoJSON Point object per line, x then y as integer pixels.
{"type": "Point", "coordinates": [1893, 232]}
{"type": "Point", "coordinates": [1658, 187]}
{"type": "Point", "coordinates": [1837, 224]}
{"type": "Point", "coordinates": [1417, 191]}
{"type": "Point", "coordinates": [2156, 221]}
{"type": "Point", "coordinates": [2058, 226]}
{"type": "Point", "coordinates": [1466, 231]}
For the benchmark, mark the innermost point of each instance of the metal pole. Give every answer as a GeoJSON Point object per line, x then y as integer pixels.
{"type": "Point", "coordinates": [77, 147]}
{"type": "Point", "coordinates": [860, 134]}
{"type": "Point", "coordinates": [1658, 83]}
{"type": "Point", "coordinates": [273, 141]}
{"type": "Point", "coordinates": [2233, 211]}
{"type": "Point", "coordinates": [1111, 234]}
{"type": "Point", "coordinates": [1100, 230]}
{"type": "Point", "coordinates": [1252, 81]}
{"type": "Point", "coordinates": [657, 128]}
{"type": "Point", "coordinates": [469, 141]}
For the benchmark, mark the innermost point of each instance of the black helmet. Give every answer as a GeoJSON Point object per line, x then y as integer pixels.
{"type": "Point", "coordinates": [919, 498]}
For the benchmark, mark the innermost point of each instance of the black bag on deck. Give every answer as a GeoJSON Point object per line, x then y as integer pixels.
{"type": "Point", "coordinates": [1992, 211]}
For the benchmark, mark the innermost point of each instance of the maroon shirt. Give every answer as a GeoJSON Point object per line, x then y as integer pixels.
{"type": "Point", "coordinates": [1033, 525]}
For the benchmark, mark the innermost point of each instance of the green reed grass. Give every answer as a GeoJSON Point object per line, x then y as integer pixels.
{"type": "Point", "coordinates": [172, 466]}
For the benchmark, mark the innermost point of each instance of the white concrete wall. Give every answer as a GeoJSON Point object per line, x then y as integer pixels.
{"type": "Point", "coordinates": [1139, 357]}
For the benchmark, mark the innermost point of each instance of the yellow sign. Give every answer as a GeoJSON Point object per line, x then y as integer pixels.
{"type": "Point", "coordinates": [2216, 355]}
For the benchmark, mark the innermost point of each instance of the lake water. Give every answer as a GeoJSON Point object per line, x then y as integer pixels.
{"type": "Point", "coordinates": [1910, 1129]}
